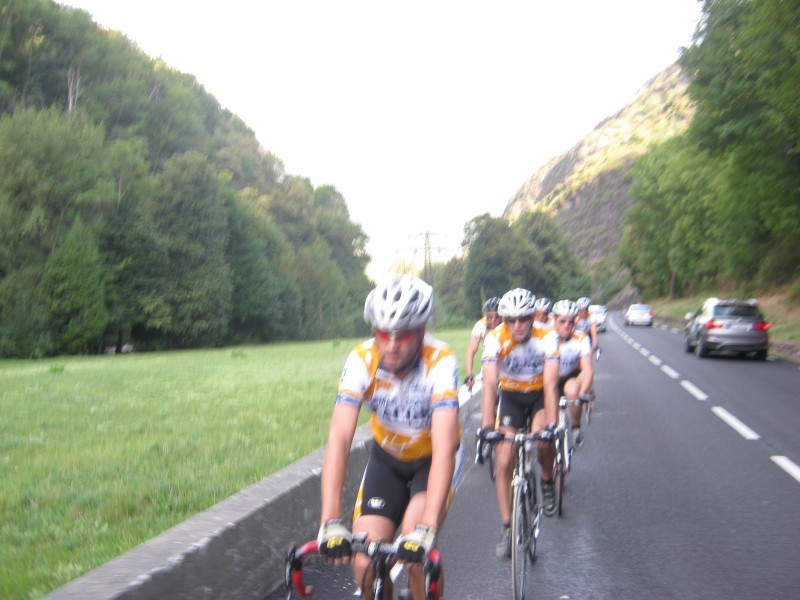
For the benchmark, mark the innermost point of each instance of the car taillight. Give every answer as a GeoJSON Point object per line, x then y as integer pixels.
{"type": "Point", "coordinates": [713, 324]}
{"type": "Point", "coordinates": [761, 326]}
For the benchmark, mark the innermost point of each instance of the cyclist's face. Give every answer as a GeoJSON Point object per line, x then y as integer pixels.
{"type": "Point", "coordinates": [398, 349]}
{"type": "Point", "coordinates": [520, 328]}
{"type": "Point", "coordinates": [564, 326]}
{"type": "Point", "coordinates": [492, 319]}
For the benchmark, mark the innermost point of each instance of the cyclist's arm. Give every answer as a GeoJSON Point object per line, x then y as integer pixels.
{"type": "Point", "coordinates": [472, 350]}
{"type": "Point", "coordinates": [587, 374]}
{"type": "Point", "coordinates": [445, 439]}
{"type": "Point", "coordinates": [340, 438]}
{"type": "Point", "coordinates": [489, 393]}
{"type": "Point", "coordinates": [593, 334]}
{"type": "Point", "coordinates": [551, 390]}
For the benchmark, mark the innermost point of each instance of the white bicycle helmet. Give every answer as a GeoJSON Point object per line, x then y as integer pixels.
{"type": "Point", "coordinates": [518, 302]}
{"type": "Point", "coordinates": [399, 304]}
{"type": "Point", "coordinates": [565, 308]}
{"type": "Point", "coordinates": [583, 303]}
{"type": "Point", "coordinates": [543, 303]}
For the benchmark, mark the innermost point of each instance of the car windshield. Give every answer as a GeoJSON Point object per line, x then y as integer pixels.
{"type": "Point", "coordinates": [597, 309]}
{"type": "Point", "coordinates": [642, 307]}
{"type": "Point", "coordinates": [733, 310]}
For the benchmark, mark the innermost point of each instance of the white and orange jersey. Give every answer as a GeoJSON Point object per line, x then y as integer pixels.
{"type": "Point", "coordinates": [578, 346]}
{"type": "Point", "coordinates": [401, 408]}
{"type": "Point", "coordinates": [520, 367]}
{"type": "Point", "coordinates": [480, 329]}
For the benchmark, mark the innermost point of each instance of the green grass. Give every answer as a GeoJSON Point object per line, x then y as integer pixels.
{"type": "Point", "coordinates": [98, 454]}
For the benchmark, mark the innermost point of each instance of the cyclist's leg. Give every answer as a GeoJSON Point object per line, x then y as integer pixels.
{"type": "Point", "coordinates": [381, 500]}
{"type": "Point", "coordinates": [547, 451]}
{"type": "Point", "coordinates": [511, 415]}
{"type": "Point", "coordinates": [572, 388]}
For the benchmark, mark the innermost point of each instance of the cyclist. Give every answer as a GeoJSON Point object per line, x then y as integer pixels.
{"type": "Point", "coordinates": [576, 368]}
{"type": "Point", "coordinates": [584, 323]}
{"type": "Point", "coordinates": [525, 364]}
{"type": "Point", "coordinates": [483, 326]}
{"type": "Point", "coordinates": [541, 318]}
{"type": "Point", "coordinates": [410, 382]}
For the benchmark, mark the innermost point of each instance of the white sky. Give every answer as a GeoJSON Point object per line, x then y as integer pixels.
{"type": "Point", "coordinates": [422, 113]}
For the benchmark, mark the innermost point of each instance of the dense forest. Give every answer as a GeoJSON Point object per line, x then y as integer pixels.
{"type": "Point", "coordinates": [135, 210]}
{"type": "Point", "coordinates": [719, 205]}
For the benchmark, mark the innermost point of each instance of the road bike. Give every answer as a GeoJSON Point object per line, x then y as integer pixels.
{"type": "Point", "coordinates": [382, 555]}
{"type": "Point", "coordinates": [527, 507]}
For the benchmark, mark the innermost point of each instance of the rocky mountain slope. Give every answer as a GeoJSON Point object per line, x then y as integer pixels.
{"type": "Point", "coordinates": [586, 189]}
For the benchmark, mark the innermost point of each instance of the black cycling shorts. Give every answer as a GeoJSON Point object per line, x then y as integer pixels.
{"type": "Point", "coordinates": [517, 409]}
{"type": "Point", "coordinates": [389, 484]}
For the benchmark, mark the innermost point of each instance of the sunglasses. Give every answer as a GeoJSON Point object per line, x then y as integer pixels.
{"type": "Point", "coordinates": [513, 320]}
{"type": "Point", "coordinates": [401, 337]}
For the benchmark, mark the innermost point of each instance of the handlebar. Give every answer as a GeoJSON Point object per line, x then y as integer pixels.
{"type": "Point", "coordinates": [375, 550]}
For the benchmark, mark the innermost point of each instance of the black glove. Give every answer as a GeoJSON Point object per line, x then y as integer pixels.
{"type": "Point", "coordinates": [414, 547]}
{"type": "Point", "coordinates": [587, 397]}
{"type": "Point", "coordinates": [333, 539]}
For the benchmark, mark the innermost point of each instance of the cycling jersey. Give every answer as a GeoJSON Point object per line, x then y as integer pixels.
{"type": "Point", "coordinates": [583, 326]}
{"type": "Point", "coordinates": [480, 329]}
{"type": "Point", "coordinates": [520, 367]}
{"type": "Point", "coordinates": [401, 408]}
{"type": "Point", "coordinates": [578, 346]}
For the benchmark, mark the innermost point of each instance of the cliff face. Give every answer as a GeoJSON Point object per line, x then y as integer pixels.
{"type": "Point", "coordinates": [586, 189]}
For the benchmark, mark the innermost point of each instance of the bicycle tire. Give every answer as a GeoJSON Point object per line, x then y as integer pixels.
{"type": "Point", "coordinates": [492, 464]}
{"type": "Point", "coordinates": [522, 538]}
{"type": "Point", "coordinates": [559, 476]}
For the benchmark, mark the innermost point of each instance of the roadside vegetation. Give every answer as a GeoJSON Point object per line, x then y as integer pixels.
{"type": "Point", "coordinates": [99, 454]}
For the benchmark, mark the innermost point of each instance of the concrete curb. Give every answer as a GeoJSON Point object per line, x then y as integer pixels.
{"type": "Point", "coordinates": [235, 549]}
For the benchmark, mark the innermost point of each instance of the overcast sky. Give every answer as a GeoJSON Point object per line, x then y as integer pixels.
{"type": "Point", "coordinates": [423, 114]}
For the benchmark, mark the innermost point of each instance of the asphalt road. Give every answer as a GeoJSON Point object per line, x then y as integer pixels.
{"type": "Point", "coordinates": [687, 487]}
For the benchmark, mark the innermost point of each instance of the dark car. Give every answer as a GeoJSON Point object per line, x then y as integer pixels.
{"type": "Point", "coordinates": [727, 326]}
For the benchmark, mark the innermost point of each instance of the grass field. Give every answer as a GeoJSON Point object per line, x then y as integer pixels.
{"type": "Point", "coordinates": [98, 454]}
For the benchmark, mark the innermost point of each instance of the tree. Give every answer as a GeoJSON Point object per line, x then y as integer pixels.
{"type": "Point", "coordinates": [74, 288]}
{"type": "Point", "coordinates": [190, 211]}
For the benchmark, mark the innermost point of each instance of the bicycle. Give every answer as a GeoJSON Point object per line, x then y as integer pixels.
{"type": "Point", "coordinates": [564, 448]}
{"type": "Point", "coordinates": [382, 555]}
{"type": "Point", "coordinates": [527, 507]}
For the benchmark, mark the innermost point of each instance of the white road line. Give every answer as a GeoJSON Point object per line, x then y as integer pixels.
{"type": "Point", "coordinates": [735, 423]}
{"type": "Point", "coordinates": [637, 345]}
{"type": "Point", "coordinates": [644, 352]}
{"type": "Point", "coordinates": [787, 465]}
{"type": "Point", "coordinates": [670, 371]}
{"type": "Point", "coordinates": [694, 390]}
{"type": "Point", "coordinates": [655, 360]}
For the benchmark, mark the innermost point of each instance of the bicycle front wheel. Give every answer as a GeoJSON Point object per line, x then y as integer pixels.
{"type": "Point", "coordinates": [523, 542]}
{"type": "Point", "coordinates": [559, 476]}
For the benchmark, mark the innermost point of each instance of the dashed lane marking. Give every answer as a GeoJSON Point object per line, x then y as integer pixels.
{"type": "Point", "coordinates": [655, 360]}
{"type": "Point", "coordinates": [670, 371]}
{"type": "Point", "coordinates": [735, 423]}
{"type": "Point", "coordinates": [694, 390]}
{"type": "Point", "coordinates": [788, 466]}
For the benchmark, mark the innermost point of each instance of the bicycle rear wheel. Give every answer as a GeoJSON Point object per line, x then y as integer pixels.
{"type": "Point", "coordinates": [523, 542]}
